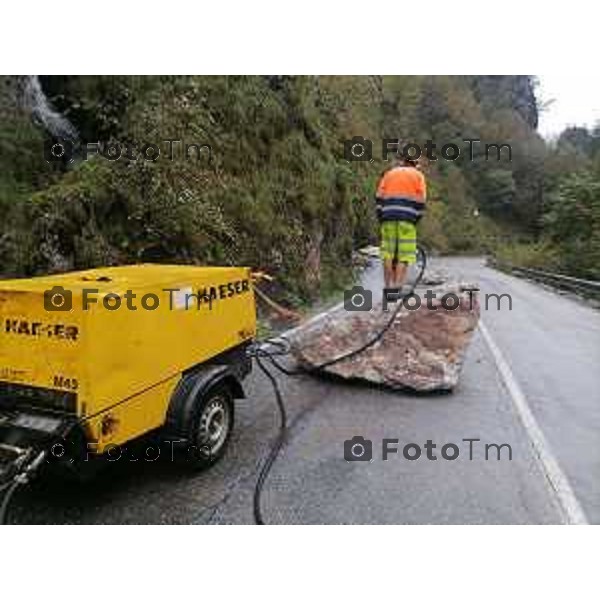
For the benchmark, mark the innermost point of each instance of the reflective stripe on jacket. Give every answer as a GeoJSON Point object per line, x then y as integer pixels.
{"type": "Point", "coordinates": [401, 195]}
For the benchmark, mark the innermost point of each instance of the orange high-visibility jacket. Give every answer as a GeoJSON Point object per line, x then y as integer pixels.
{"type": "Point", "coordinates": [401, 195]}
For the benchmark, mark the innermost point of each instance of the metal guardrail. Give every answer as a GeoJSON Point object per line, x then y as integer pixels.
{"type": "Point", "coordinates": [586, 286]}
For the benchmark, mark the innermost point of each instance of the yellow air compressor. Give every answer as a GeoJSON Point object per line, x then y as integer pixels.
{"type": "Point", "coordinates": [102, 357]}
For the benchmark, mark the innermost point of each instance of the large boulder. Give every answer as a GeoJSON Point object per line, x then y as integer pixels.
{"type": "Point", "coordinates": [422, 350]}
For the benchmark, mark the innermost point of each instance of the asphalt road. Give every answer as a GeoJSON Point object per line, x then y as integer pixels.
{"type": "Point", "coordinates": [551, 346]}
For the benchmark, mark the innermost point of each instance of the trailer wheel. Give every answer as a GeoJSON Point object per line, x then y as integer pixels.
{"type": "Point", "coordinates": [211, 426]}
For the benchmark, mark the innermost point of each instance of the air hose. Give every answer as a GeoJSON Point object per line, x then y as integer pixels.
{"type": "Point", "coordinates": [11, 489]}
{"type": "Point", "coordinates": [25, 469]}
{"type": "Point", "coordinates": [279, 346]}
{"type": "Point", "coordinates": [21, 477]}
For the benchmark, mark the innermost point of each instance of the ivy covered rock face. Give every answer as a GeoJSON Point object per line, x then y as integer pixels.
{"type": "Point", "coordinates": [275, 190]}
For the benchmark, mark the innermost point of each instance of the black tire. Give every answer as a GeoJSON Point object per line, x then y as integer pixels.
{"type": "Point", "coordinates": [211, 427]}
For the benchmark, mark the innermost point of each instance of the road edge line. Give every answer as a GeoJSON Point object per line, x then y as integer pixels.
{"type": "Point", "coordinates": [558, 480]}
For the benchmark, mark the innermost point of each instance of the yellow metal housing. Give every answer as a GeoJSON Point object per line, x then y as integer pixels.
{"type": "Point", "coordinates": [119, 338]}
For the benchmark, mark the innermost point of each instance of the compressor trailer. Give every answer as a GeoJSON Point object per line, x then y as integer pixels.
{"type": "Point", "coordinates": [95, 359]}
{"type": "Point", "coordinates": [92, 360]}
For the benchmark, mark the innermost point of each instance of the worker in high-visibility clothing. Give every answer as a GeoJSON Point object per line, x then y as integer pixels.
{"type": "Point", "coordinates": [400, 199]}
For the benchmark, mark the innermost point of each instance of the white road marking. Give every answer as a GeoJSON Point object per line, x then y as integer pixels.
{"type": "Point", "coordinates": [573, 512]}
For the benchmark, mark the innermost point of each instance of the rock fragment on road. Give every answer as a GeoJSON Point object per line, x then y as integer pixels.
{"type": "Point", "coordinates": [423, 349]}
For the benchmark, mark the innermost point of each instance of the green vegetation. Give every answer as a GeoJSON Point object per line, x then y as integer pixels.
{"type": "Point", "coordinates": [277, 193]}
{"type": "Point", "coordinates": [567, 232]}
